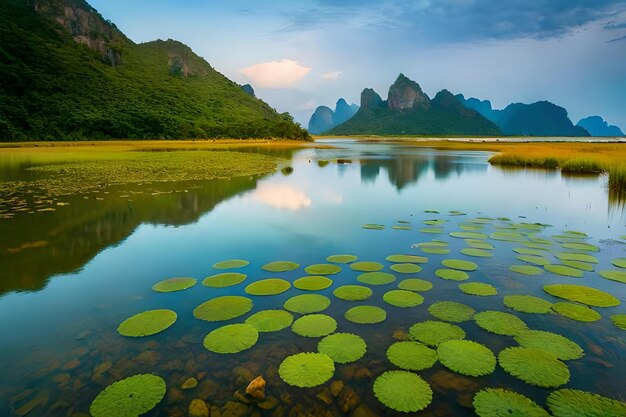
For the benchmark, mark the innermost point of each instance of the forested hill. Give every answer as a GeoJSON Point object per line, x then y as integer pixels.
{"type": "Point", "coordinates": [68, 74]}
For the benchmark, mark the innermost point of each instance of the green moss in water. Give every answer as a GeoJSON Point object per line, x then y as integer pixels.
{"type": "Point", "coordinates": [307, 303]}
{"type": "Point", "coordinates": [174, 284]}
{"type": "Point", "coordinates": [406, 268]}
{"type": "Point", "coordinates": [130, 397]}
{"type": "Point", "coordinates": [342, 259]}
{"type": "Point", "coordinates": [353, 292]}
{"type": "Point", "coordinates": [223, 308]}
{"type": "Point", "coordinates": [415, 284]}
{"type": "Point", "coordinates": [343, 347]}
{"type": "Point", "coordinates": [403, 391]}
{"type": "Point", "coordinates": [270, 320]}
{"type": "Point", "coordinates": [312, 283]}
{"type": "Point", "coordinates": [280, 266]}
{"type": "Point", "coordinates": [526, 270]}
{"type": "Point", "coordinates": [411, 356]}
{"type": "Point", "coordinates": [223, 280]}
{"type": "Point", "coordinates": [322, 269]}
{"type": "Point", "coordinates": [478, 289]}
{"type": "Point", "coordinates": [575, 403]}
{"type": "Point", "coordinates": [306, 370]}
{"type": "Point", "coordinates": [147, 323]}
{"type": "Point", "coordinates": [534, 366]}
{"type": "Point", "coordinates": [451, 311]}
{"type": "Point", "coordinates": [563, 270]}
{"type": "Point", "coordinates": [527, 304]}
{"type": "Point", "coordinates": [231, 264]}
{"type": "Point", "coordinates": [432, 333]}
{"type": "Point", "coordinates": [560, 346]}
{"type": "Point", "coordinates": [466, 357]}
{"type": "Point", "coordinates": [500, 323]}
{"type": "Point", "coordinates": [460, 264]}
{"type": "Point", "coordinates": [582, 294]}
{"type": "Point", "coordinates": [576, 312]}
{"type": "Point", "coordinates": [452, 274]}
{"type": "Point", "coordinates": [232, 338]}
{"type": "Point", "coordinates": [366, 315]}
{"type": "Point", "coordinates": [314, 325]}
{"type": "Point", "coordinates": [498, 402]}
{"type": "Point", "coordinates": [614, 275]}
{"type": "Point", "coordinates": [376, 278]}
{"type": "Point", "coordinates": [270, 286]}
{"type": "Point", "coordinates": [366, 266]}
{"type": "Point", "coordinates": [403, 298]}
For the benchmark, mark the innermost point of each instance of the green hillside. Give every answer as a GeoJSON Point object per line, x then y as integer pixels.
{"type": "Point", "coordinates": [55, 88]}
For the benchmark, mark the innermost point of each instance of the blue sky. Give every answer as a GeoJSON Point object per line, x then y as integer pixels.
{"type": "Point", "coordinates": [302, 54]}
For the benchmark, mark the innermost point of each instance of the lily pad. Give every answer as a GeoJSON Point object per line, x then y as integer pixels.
{"type": "Point", "coordinates": [403, 298]}
{"type": "Point", "coordinates": [452, 274]}
{"type": "Point", "coordinates": [412, 356]}
{"type": "Point", "coordinates": [225, 279]}
{"type": "Point", "coordinates": [307, 303]}
{"type": "Point", "coordinates": [478, 253]}
{"type": "Point", "coordinates": [431, 250]}
{"type": "Point", "coordinates": [534, 366]}
{"type": "Point", "coordinates": [403, 391]}
{"type": "Point", "coordinates": [559, 346]}
{"type": "Point", "coordinates": [466, 357]}
{"type": "Point", "coordinates": [479, 244]}
{"type": "Point", "coordinates": [130, 397]}
{"type": "Point", "coordinates": [280, 266]}
{"type": "Point", "coordinates": [527, 304]}
{"type": "Point", "coordinates": [508, 237]}
{"type": "Point", "coordinates": [469, 235]}
{"type": "Point", "coordinates": [478, 289]}
{"type": "Point", "coordinates": [526, 269]}
{"type": "Point", "coordinates": [563, 270]}
{"type": "Point", "coordinates": [575, 403]}
{"type": "Point", "coordinates": [460, 264]}
{"type": "Point", "coordinates": [534, 259]}
{"type": "Point", "coordinates": [576, 312]}
{"type": "Point", "coordinates": [223, 308]}
{"type": "Point", "coordinates": [147, 323]}
{"type": "Point", "coordinates": [306, 370]}
{"type": "Point", "coordinates": [583, 266]}
{"type": "Point", "coordinates": [174, 284]}
{"type": "Point", "coordinates": [530, 251]}
{"type": "Point", "coordinates": [366, 266]}
{"type": "Point", "coordinates": [366, 315]}
{"type": "Point", "coordinates": [415, 284]}
{"type": "Point", "coordinates": [581, 246]}
{"type": "Point", "coordinates": [619, 262]}
{"type": "Point", "coordinates": [231, 264]}
{"type": "Point", "coordinates": [343, 347]}
{"type": "Point", "coordinates": [407, 259]}
{"type": "Point", "coordinates": [376, 278]}
{"type": "Point", "coordinates": [232, 338]}
{"type": "Point", "coordinates": [270, 320]}
{"type": "Point", "coordinates": [313, 283]}
{"type": "Point", "coordinates": [432, 230]}
{"type": "Point", "coordinates": [582, 294]}
{"type": "Point", "coordinates": [581, 257]}
{"type": "Point", "coordinates": [406, 268]}
{"type": "Point", "coordinates": [434, 222]}
{"type": "Point", "coordinates": [322, 269]}
{"type": "Point", "coordinates": [373, 226]}
{"type": "Point", "coordinates": [353, 292]}
{"type": "Point", "coordinates": [614, 275]}
{"type": "Point", "coordinates": [451, 311]}
{"type": "Point", "coordinates": [432, 333]}
{"type": "Point", "coordinates": [619, 320]}
{"type": "Point", "coordinates": [341, 259]}
{"type": "Point", "coordinates": [498, 402]}
{"type": "Point", "coordinates": [314, 325]}
{"type": "Point", "coordinates": [269, 286]}
{"type": "Point", "coordinates": [500, 323]}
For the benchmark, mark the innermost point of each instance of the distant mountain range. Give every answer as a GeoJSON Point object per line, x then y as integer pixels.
{"type": "Point", "coordinates": [597, 126]}
{"type": "Point", "coordinates": [324, 118]}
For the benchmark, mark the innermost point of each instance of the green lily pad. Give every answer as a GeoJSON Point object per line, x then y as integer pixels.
{"type": "Point", "coordinates": [498, 402]}
{"type": "Point", "coordinates": [526, 269]}
{"type": "Point", "coordinates": [433, 243]}
{"type": "Point", "coordinates": [583, 266]}
{"type": "Point", "coordinates": [534, 366]}
{"type": "Point", "coordinates": [478, 253]}
{"type": "Point", "coordinates": [500, 323]}
{"type": "Point", "coordinates": [466, 357]}
{"type": "Point", "coordinates": [582, 294]}
{"type": "Point", "coordinates": [581, 257]}
{"type": "Point", "coordinates": [366, 315]}
{"type": "Point", "coordinates": [559, 346]}
{"type": "Point", "coordinates": [147, 323]}
{"type": "Point", "coordinates": [407, 259]}
{"type": "Point", "coordinates": [353, 292]}
{"type": "Point", "coordinates": [174, 284]}
{"type": "Point", "coordinates": [619, 262]}
{"type": "Point", "coordinates": [471, 227]}
{"type": "Point", "coordinates": [223, 308]}
{"type": "Point", "coordinates": [430, 250]}
{"type": "Point", "coordinates": [415, 284]}
{"type": "Point", "coordinates": [581, 246]}
{"type": "Point", "coordinates": [434, 222]}
{"type": "Point", "coordinates": [280, 266]}
{"type": "Point", "coordinates": [341, 259]}
{"type": "Point", "coordinates": [576, 312]}
{"type": "Point", "coordinates": [533, 259]}
{"type": "Point", "coordinates": [508, 237]}
{"type": "Point", "coordinates": [322, 269]}
{"type": "Point", "coordinates": [619, 320]}
{"type": "Point", "coordinates": [575, 403]}
{"type": "Point", "coordinates": [437, 212]}
{"type": "Point", "coordinates": [432, 230]}
{"type": "Point", "coordinates": [478, 288]}
{"type": "Point", "coordinates": [343, 347]}
{"type": "Point", "coordinates": [307, 303]}
{"type": "Point", "coordinates": [406, 268]}
{"type": "Point", "coordinates": [432, 333]}
{"type": "Point", "coordinates": [366, 266]}
{"type": "Point", "coordinates": [563, 270]}
{"type": "Point", "coordinates": [232, 338]}
{"type": "Point", "coordinates": [376, 278]}
{"type": "Point", "coordinates": [403, 391]}
{"type": "Point", "coordinates": [403, 298]}
{"type": "Point", "coordinates": [412, 356]}
{"type": "Point", "coordinates": [130, 397]}
{"type": "Point", "coordinates": [225, 279]}
{"type": "Point", "coordinates": [313, 283]}
{"type": "Point", "coordinates": [469, 235]}
{"type": "Point", "coordinates": [452, 274]}
{"type": "Point", "coordinates": [306, 370]}
{"type": "Point", "coordinates": [231, 264]}
{"type": "Point", "coordinates": [269, 286]}
{"type": "Point", "coordinates": [460, 264]}
{"type": "Point", "coordinates": [314, 325]}
{"type": "Point", "coordinates": [451, 311]}
{"type": "Point", "coordinates": [527, 304]}
{"type": "Point", "coordinates": [614, 275]}
{"type": "Point", "coordinates": [479, 244]}
{"type": "Point", "coordinates": [373, 226]}
{"type": "Point", "coordinates": [529, 251]}
{"type": "Point", "coordinates": [401, 227]}
{"type": "Point", "coordinates": [270, 320]}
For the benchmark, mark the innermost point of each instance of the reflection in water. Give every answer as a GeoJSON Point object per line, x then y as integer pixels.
{"type": "Point", "coordinates": [281, 196]}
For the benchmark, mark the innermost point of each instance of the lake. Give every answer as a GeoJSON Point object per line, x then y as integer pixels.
{"type": "Point", "coordinates": [69, 277]}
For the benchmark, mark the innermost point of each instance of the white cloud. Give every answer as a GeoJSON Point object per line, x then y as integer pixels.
{"type": "Point", "coordinates": [281, 196]}
{"type": "Point", "coordinates": [275, 74]}
{"type": "Point", "coordinates": [308, 105]}
{"type": "Point", "coordinates": [331, 75]}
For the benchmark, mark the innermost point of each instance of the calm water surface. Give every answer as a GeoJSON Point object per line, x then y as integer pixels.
{"type": "Point", "coordinates": [69, 277]}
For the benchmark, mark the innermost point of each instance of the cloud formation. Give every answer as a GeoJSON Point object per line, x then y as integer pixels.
{"type": "Point", "coordinates": [331, 75]}
{"type": "Point", "coordinates": [275, 74]}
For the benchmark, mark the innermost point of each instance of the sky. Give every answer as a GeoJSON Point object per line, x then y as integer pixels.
{"type": "Point", "coordinates": [302, 54]}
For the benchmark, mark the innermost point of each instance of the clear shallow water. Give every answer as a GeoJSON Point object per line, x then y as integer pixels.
{"type": "Point", "coordinates": [54, 337]}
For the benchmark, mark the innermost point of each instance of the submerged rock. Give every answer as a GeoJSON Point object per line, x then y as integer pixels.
{"type": "Point", "coordinates": [256, 388]}
{"type": "Point", "coordinates": [235, 409]}
{"type": "Point", "coordinates": [348, 399]}
{"type": "Point", "coordinates": [336, 386]}
{"type": "Point", "coordinates": [268, 403]}
{"type": "Point", "coordinates": [190, 383]}
{"type": "Point", "coordinates": [198, 408]}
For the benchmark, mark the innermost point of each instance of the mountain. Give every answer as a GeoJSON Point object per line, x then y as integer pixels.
{"type": "Point", "coordinates": [538, 119]}
{"type": "Point", "coordinates": [597, 126]}
{"type": "Point", "coordinates": [247, 88]}
{"type": "Point", "coordinates": [409, 111]}
{"type": "Point", "coordinates": [324, 118]}
{"type": "Point", "coordinates": [67, 74]}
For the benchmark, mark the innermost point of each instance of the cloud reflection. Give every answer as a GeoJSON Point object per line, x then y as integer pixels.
{"type": "Point", "coordinates": [281, 196]}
